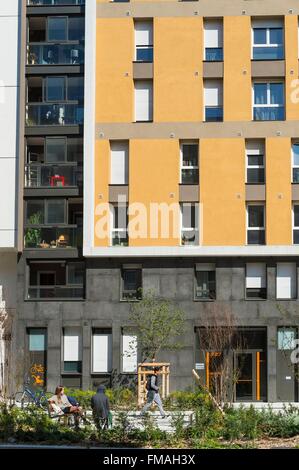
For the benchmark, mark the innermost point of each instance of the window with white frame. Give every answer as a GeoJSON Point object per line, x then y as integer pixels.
{"type": "Point", "coordinates": [189, 162]}
{"type": "Point", "coordinates": [101, 350]}
{"type": "Point", "coordinates": [189, 223]}
{"type": "Point", "coordinates": [267, 40]}
{"type": "Point", "coordinates": [213, 100]}
{"type": "Point", "coordinates": [295, 162]}
{"type": "Point", "coordinates": [72, 350]}
{"type": "Point", "coordinates": [213, 40]}
{"type": "Point", "coordinates": [119, 225]}
{"type": "Point", "coordinates": [296, 224]}
{"type": "Point", "coordinates": [143, 40]}
{"type": "Point", "coordinates": [286, 280]}
{"type": "Point", "coordinates": [129, 352]}
{"type": "Point", "coordinates": [256, 281]}
{"type": "Point", "coordinates": [255, 224]}
{"type": "Point", "coordinates": [119, 162]}
{"type": "Point", "coordinates": [143, 100]}
{"type": "Point", "coordinates": [255, 161]}
{"type": "Point", "coordinates": [268, 101]}
{"type": "Point", "coordinates": [205, 281]}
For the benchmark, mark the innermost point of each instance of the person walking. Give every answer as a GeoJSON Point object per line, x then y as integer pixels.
{"type": "Point", "coordinates": [153, 396]}
{"type": "Point", "coordinates": [101, 408]}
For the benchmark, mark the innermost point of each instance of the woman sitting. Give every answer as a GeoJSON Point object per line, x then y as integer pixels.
{"type": "Point", "coordinates": [59, 403]}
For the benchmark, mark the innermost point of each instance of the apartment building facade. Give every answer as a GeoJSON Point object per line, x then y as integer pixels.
{"type": "Point", "coordinates": [191, 188]}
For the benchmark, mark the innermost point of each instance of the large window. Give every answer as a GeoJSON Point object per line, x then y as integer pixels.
{"type": "Point", "coordinates": [268, 101]}
{"type": "Point", "coordinates": [46, 212]}
{"type": "Point", "coordinates": [295, 162]}
{"type": "Point", "coordinates": [213, 100]}
{"type": "Point", "coordinates": [256, 281]}
{"type": "Point", "coordinates": [189, 162]}
{"type": "Point", "coordinates": [255, 162]}
{"type": "Point", "coordinates": [131, 282]}
{"type": "Point", "coordinates": [213, 40]}
{"type": "Point", "coordinates": [143, 40]}
{"type": "Point", "coordinates": [286, 280]}
{"type": "Point", "coordinates": [37, 357]}
{"type": "Point", "coordinates": [57, 28]}
{"type": "Point", "coordinates": [267, 40]}
{"type": "Point", "coordinates": [296, 224]}
{"type": "Point", "coordinates": [255, 224]}
{"type": "Point", "coordinates": [101, 351]}
{"type": "Point", "coordinates": [205, 282]}
{"type": "Point", "coordinates": [189, 223]}
{"type": "Point", "coordinates": [119, 232]}
{"type": "Point", "coordinates": [72, 350]}
{"type": "Point", "coordinates": [143, 100]}
{"type": "Point", "coordinates": [119, 162]}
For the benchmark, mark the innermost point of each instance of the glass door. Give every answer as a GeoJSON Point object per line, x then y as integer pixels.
{"type": "Point", "coordinates": [247, 375]}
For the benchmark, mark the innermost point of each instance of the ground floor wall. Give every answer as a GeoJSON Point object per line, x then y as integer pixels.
{"type": "Point", "coordinates": [104, 314]}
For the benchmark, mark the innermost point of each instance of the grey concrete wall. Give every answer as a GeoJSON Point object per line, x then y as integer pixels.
{"type": "Point", "coordinates": [171, 279]}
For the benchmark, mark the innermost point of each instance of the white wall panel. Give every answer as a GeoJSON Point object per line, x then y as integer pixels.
{"type": "Point", "coordinates": [102, 352]}
{"type": "Point", "coordinates": [143, 100]}
{"type": "Point", "coordinates": [119, 162]}
{"type": "Point", "coordinates": [286, 279]}
{"type": "Point", "coordinates": [8, 50]}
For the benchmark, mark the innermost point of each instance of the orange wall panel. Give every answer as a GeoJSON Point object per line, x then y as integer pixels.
{"type": "Point", "coordinates": [291, 60]}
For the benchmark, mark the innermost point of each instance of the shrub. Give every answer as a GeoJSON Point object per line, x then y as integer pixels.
{"type": "Point", "coordinates": [185, 400]}
{"type": "Point", "coordinates": [242, 423]}
{"type": "Point", "coordinates": [281, 424]}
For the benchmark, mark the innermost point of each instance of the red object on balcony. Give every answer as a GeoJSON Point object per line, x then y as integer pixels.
{"type": "Point", "coordinates": [57, 180]}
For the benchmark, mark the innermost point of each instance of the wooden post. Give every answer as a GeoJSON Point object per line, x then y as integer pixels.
{"type": "Point", "coordinates": [145, 369]}
{"type": "Point", "coordinates": [208, 392]}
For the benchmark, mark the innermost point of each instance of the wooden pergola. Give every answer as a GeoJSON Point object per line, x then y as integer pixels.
{"type": "Point", "coordinates": [145, 369]}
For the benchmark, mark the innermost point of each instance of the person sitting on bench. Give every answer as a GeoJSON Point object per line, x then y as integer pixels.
{"type": "Point", "coordinates": [60, 402]}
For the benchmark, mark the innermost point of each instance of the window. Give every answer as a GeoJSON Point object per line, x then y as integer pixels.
{"type": "Point", "coordinates": [255, 162]}
{"type": "Point", "coordinates": [189, 224]}
{"type": "Point", "coordinates": [205, 286]}
{"type": "Point", "coordinates": [56, 88]}
{"type": "Point", "coordinates": [189, 163]}
{"type": "Point", "coordinates": [75, 274]}
{"type": "Point", "coordinates": [144, 41]}
{"type": "Point", "coordinates": [213, 40]}
{"type": "Point", "coordinates": [119, 215]}
{"type": "Point", "coordinates": [47, 211]}
{"type": "Point", "coordinates": [296, 224]}
{"type": "Point", "coordinates": [129, 352]}
{"type": "Point", "coordinates": [119, 162]}
{"type": "Point", "coordinates": [286, 338]}
{"type": "Point", "coordinates": [76, 28]}
{"type": "Point", "coordinates": [57, 28]}
{"type": "Point", "coordinates": [72, 350]}
{"type": "Point", "coordinates": [267, 40]}
{"type": "Point", "coordinates": [37, 356]}
{"type": "Point", "coordinates": [213, 98]}
{"type": "Point", "coordinates": [295, 162]}
{"type": "Point", "coordinates": [286, 280]}
{"type": "Point", "coordinates": [102, 351]}
{"type": "Point", "coordinates": [255, 224]}
{"type": "Point", "coordinates": [56, 149]}
{"type": "Point", "coordinates": [143, 100]}
{"type": "Point", "coordinates": [256, 285]}
{"type": "Point", "coordinates": [268, 101]}
{"type": "Point", "coordinates": [131, 283]}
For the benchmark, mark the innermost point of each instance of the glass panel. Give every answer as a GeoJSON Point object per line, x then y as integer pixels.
{"type": "Point", "coordinates": [255, 175]}
{"type": "Point", "coordinates": [276, 93]}
{"type": "Point", "coordinates": [120, 217]}
{"type": "Point", "coordinates": [268, 53]}
{"type": "Point", "coordinates": [55, 212]}
{"type": "Point", "coordinates": [256, 293]}
{"type": "Point", "coordinates": [260, 93]}
{"type": "Point", "coordinates": [286, 339]}
{"type": "Point", "coordinates": [75, 272]}
{"type": "Point", "coordinates": [76, 89]}
{"type": "Point", "coordinates": [296, 216]}
{"type": "Point", "coordinates": [255, 160]}
{"type": "Point", "coordinates": [190, 176]}
{"type": "Point", "coordinates": [54, 114]}
{"type": "Point", "coordinates": [76, 29]}
{"type": "Point", "coordinates": [214, 54]}
{"type": "Point", "coordinates": [72, 366]}
{"type": "Point", "coordinates": [75, 150]}
{"type": "Point", "coordinates": [57, 29]}
{"type": "Point", "coordinates": [131, 283]}
{"type": "Point", "coordinates": [35, 212]}
{"type": "Point", "coordinates": [296, 237]}
{"type": "Point", "coordinates": [295, 148]}
{"type": "Point", "coordinates": [256, 237]}
{"type": "Point", "coordinates": [255, 216]}
{"type": "Point", "coordinates": [37, 340]}
{"type": "Point", "coordinates": [144, 53]}
{"type": "Point", "coordinates": [213, 113]}
{"type": "Point", "coordinates": [190, 154]}
{"type": "Point", "coordinates": [269, 114]}
{"type": "Point", "coordinates": [260, 35]}
{"type": "Point", "coordinates": [55, 150]}
{"type": "Point", "coordinates": [276, 36]}
{"type": "Point", "coordinates": [244, 385]}
{"type": "Point", "coordinates": [206, 285]}
{"type": "Point", "coordinates": [55, 54]}
{"type": "Point", "coordinates": [56, 88]}
{"type": "Point", "coordinates": [295, 175]}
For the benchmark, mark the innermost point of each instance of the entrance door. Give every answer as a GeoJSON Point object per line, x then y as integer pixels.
{"type": "Point", "coordinates": [247, 375]}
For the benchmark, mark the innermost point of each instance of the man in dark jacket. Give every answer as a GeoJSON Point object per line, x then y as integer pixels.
{"type": "Point", "coordinates": [153, 395]}
{"type": "Point", "coordinates": [100, 406]}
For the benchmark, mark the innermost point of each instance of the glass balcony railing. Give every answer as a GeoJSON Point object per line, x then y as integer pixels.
{"type": "Point", "coordinates": [268, 53]}
{"type": "Point", "coordinates": [269, 113]}
{"type": "Point", "coordinates": [190, 176]}
{"type": "Point", "coordinates": [55, 2]}
{"type": "Point", "coordinates": [295, 175]}
{"type": "Point", "coordinates": [55, 292]}
{"type": "Point", "coordinates": [55, 54]}
{"type": "Point", "coordinates": [190, 236]}
{"type": "Point", "coordinates": [214, 113]}
{"type": "Point", "coordinates": [120, 238]}
{"type": "Point", "coordinates": [49, 237]}
{"type": "Point", "coordinates": [51, 175]}
{"type": "Point", "coordinates": [214, 54]}
{"type": "Point", "coordinates": [144, 53]}
{"type": "Point", "coordinates": [58, 114]}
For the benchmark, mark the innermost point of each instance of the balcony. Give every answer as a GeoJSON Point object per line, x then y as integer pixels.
{"type": "Point", "coordinates": [55, 2]}
{"type": "Point", "coordinates": [53, 237]}
{"type": "Point", "coordinates": [269, 113]}
{"type": "Point", "coordinates": [214, 54]}
{"type": "Point", "coordinates": [55, 54]}
{"type": "Point", "coordinates": [58, 114]}
{"type": "Point", "coordinates": [53, 175]}
{"type": "Point", "coordinates": [144, 53]}
{"type": "Point", "coordinates": [190, 176]}
{"type": "Point", "coordinates": [268, 53]}
{"type": "Point", "coordinates": [213, 113]}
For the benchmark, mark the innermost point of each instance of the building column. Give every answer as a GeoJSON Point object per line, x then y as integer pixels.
{"type": "Point", "coordinates": [116, 347]}
{"type": "Point", "coordinates": [54, 333]}
{"type": "Point", "coordinates": [271, 282]}
{"type": "Point", "coordinates": [86, 356]}
{"type": "Point", "coordinates": [271, 366]}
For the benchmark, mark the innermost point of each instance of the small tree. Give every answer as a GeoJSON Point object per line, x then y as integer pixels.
{"type": "Point", "coordinates": [159, 323]}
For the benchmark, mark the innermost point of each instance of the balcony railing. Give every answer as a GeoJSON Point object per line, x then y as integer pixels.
{"type": "Point", "coordinates": [190, 176]}
{"type": "Point", "coordinates": [214, 113]}
{"type": "Point", "coordinates": [58, 114]}
{"type": "Point", "coordinates": [214, 54]}
{"type": "Point", "coordinates": [120, 238]}
{"type": "Point", "coordinates": [55, 292]}
{"type": "Point", "coordinates": [51, 175]}
{"type": "Point", "coordinates": [268, 53]}
{"type": "Point", "coordinates": [190, 236]}
{"type": "Point", "coordinates": [55, 54]}
{"type": "Point", "coordinates": [144, 53]}
{"type": "Point", "coordinates": [269, 113]}
{"type": "Point", "coordinates": [55, 2]}
{"type": "Point", "coordinates": [53, 237]}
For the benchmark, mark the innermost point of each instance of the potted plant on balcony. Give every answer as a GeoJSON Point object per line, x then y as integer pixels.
{"type": "Point", "coordinates": [33, 236]}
